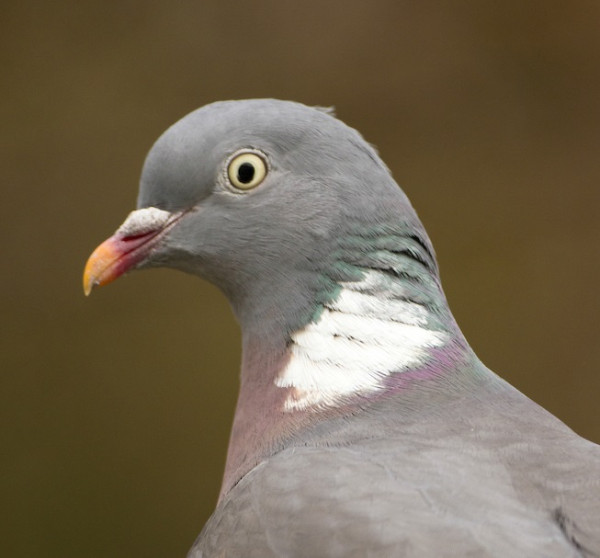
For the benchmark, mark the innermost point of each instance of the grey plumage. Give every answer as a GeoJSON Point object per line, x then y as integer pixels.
{"type": "Point", "coordinates": [488, 473]}
{"type": "Point", "coordinates": [365, 425]}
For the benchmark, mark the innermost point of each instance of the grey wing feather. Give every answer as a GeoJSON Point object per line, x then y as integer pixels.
{"type": "Point", "coordinates": [489, 475]}
{"type": "Point", "coordinates": [368, 500]}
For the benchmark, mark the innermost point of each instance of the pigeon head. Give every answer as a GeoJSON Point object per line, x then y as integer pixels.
{"type": "Point", "coordinates": [265, 187]}
{"type": "Point", "coordinates": [298, 221]}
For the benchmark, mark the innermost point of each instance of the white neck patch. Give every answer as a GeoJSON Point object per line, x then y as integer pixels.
{"type": "Point", "coordinates": [363, 336]}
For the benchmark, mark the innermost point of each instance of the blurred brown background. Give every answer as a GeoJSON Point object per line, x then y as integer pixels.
{"type": "Point", "coordinates": [115, 410]}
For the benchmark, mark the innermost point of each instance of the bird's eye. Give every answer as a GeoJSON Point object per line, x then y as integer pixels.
{"type": "Point", "coordinates": [246, 170]}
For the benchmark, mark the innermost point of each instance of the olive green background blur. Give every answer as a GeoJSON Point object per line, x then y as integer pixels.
{"type": "Point", "coordinates": [115, 410]}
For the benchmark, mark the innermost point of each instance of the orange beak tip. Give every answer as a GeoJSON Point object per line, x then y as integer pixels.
{"type": "Point", "coordinates": [87, 286]}
{"type": "Point", "coordinates": [100, 267]}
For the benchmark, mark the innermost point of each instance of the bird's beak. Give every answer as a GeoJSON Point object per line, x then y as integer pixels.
{"type": "Point", "coordinates": [128, 247]}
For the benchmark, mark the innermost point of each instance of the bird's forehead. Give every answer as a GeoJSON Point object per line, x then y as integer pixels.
{"type": "Point", "coordinates": [233, 124]}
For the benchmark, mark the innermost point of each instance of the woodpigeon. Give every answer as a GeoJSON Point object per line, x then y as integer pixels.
{"type": "Point", "coordinates": [365, 424]}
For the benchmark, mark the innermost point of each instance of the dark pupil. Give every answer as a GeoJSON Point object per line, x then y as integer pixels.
{"type": "Point", "coordinates": [245, 173]}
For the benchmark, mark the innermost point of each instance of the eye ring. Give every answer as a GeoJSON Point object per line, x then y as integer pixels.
{"type": "Point", "coordinates": [246, 170]}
